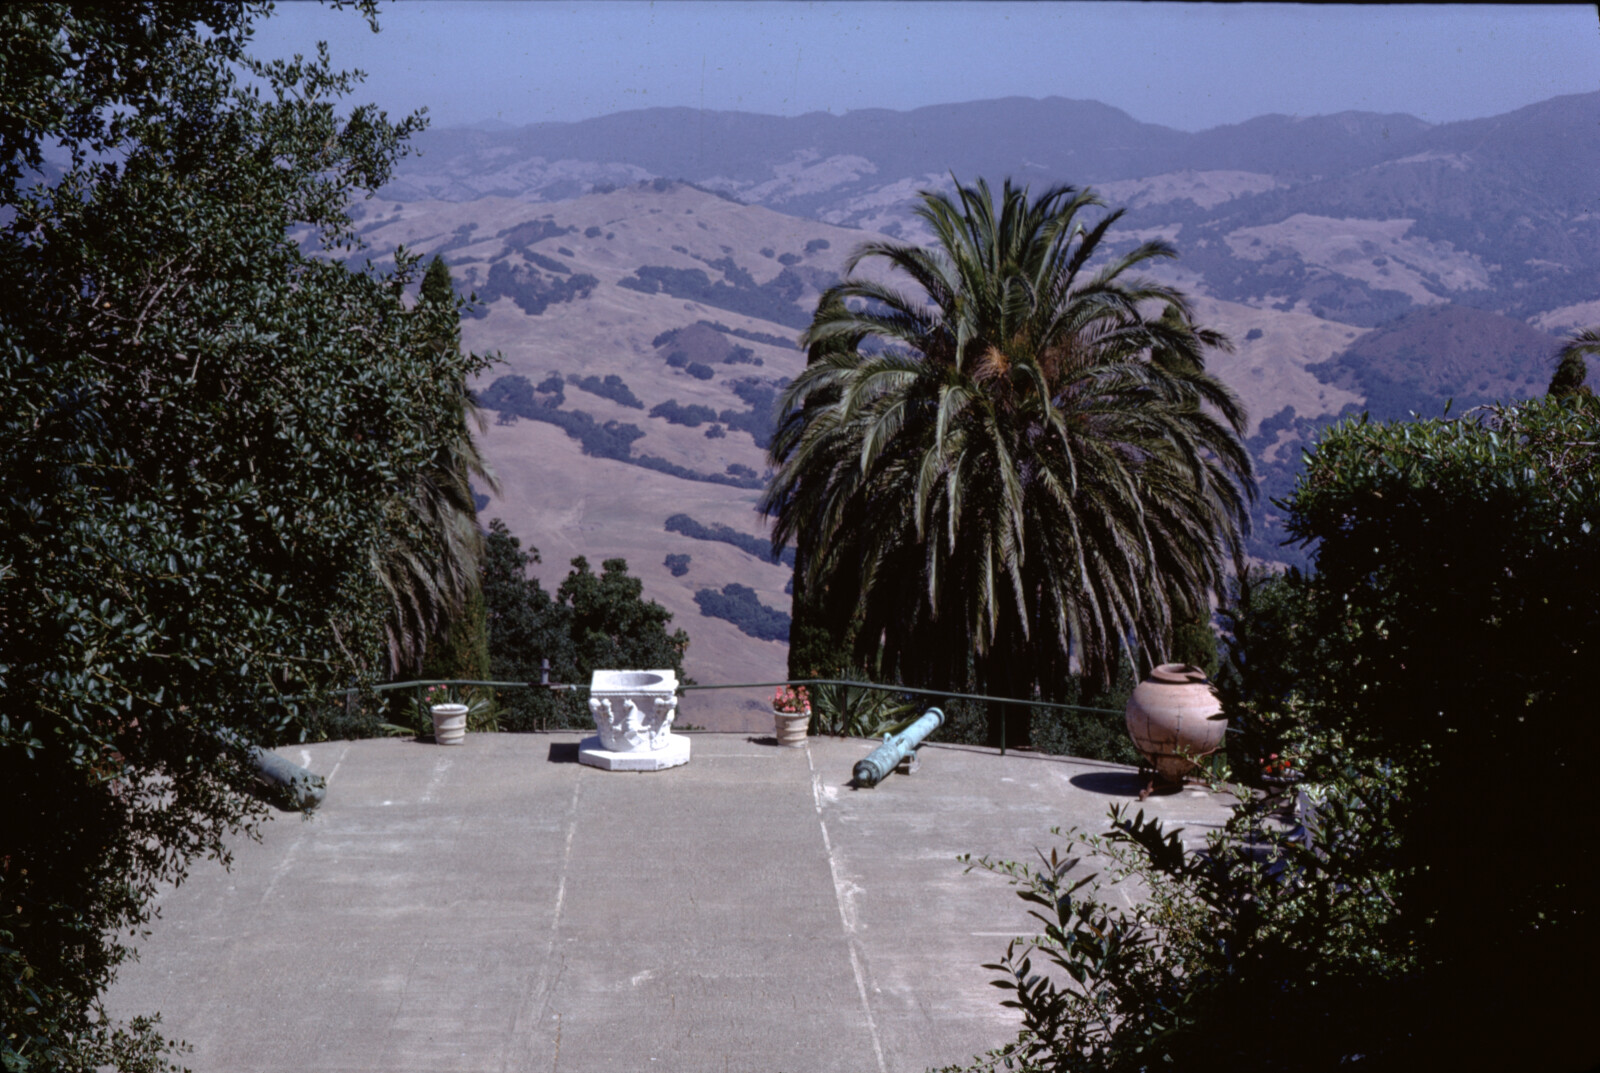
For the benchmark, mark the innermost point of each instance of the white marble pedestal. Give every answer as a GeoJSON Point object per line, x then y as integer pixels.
{"type": "Point", "coordinates": [633, 712]}
{"type": "Point", "coordinates": [592, 751]}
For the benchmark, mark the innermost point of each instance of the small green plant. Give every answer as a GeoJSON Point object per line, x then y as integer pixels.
{"type": "Point", "coordinates": [479, 702]}
{"type": "Point", "coordinates": [857, 712]}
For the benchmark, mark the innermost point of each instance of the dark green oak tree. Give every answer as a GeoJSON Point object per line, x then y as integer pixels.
{"type": "Point", "coordinates": [593, 621]}
{"type": "Point", "coordinates": [208, 420]}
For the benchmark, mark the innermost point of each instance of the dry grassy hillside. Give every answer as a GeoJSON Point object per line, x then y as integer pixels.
{"type": "Point", "coordinates": [566, 503]}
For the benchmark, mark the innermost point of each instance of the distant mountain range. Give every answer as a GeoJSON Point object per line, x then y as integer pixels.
{"type": "Point", "coordinates": [1515, 197]}
{"type": "Point", "coordinates": [662, 262]}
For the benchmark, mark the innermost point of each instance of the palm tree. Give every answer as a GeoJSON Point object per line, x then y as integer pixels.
{"type": "Point", "coordinates": [429, 569]}
{"type": "Point", "coordinates": [1571, 369]}
{"type": "Point", "coordinates": [1012, 473]}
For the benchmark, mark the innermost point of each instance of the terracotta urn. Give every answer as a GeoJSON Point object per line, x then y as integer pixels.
{"type": "Point", "coordinates": [1175, 718]}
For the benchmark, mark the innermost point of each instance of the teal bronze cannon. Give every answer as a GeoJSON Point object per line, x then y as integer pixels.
{"type": "Point", "coordinates": [895, 748]}
{"type": "Point", "coordinates": [290, 785]}
{"type": "Point", "coordinates": [286, 783]}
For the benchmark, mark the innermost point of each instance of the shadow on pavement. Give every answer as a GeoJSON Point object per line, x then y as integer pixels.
{"type": "Point", "coordinates": [563, 752]}
{"type": "Point", "coordinates": [1112, 783]}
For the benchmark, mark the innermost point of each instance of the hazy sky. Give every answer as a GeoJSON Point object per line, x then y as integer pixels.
{"type": "Point", "coordinates": [1189, 66]}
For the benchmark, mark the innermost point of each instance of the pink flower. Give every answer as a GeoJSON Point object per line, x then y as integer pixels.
{"type": "Point", "coordinates": [791, 700]}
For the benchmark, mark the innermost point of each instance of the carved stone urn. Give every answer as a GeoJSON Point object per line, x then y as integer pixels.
{"type": "Point", "coordinates": [1175, 718]}
{"type": "Point", "coordinates": [633, 713]}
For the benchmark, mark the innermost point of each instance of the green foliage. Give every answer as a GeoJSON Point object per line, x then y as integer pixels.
{"type": "Point", "coordinates": [437, 286]}
{"type": "Point", "coordinates": [740, 605]}
{"type": "Point", "coordinates": [1012, 461]}
{"type": "Point", "coordinates": [854, 712]}
{"type": "Point", "coordinates": [611, 387]}
{"type": "Point", "coordinates": [1092, 735]}
{"type": "Point", "coordinates": [726, 534]}
{"type": "Point", "coordinates": [737, 292]}
{"type": "Point", "coordinates": [207, 430]}
{"type": "Point", "coordinates": [1458, 580]}
{"type": "Point", "coordinates": [430, 568]}
{"type": "Point", "coordinates": [1260, 953]}
{"type": "Point", "coordinates": [463, 652]}
{"type": "Point", "coordinates": [593, 622]}
{"type": "Point", "coordinates": [1441, 655]}
{"type": "Point", "coordinates": [1194, 642]}
{"type": "Point", "coordinates": [1572, 369]}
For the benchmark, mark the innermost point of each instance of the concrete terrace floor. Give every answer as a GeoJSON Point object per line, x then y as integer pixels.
{"type": "Point", "coordinates": [499, 906]}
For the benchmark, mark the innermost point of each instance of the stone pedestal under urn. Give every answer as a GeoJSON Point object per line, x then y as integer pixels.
{"type": "Point", "coordinates": [633, 712]}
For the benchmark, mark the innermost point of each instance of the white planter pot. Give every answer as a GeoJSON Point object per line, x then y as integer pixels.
{"type": "Point", "coordinates": [449, 724]}
{"type": "Point", "coordinates": [791, 727]}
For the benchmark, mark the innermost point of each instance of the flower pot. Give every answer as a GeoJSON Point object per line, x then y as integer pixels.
{"type": "Point", "coordinates": [449, 724]}
{"type": "Point", "coordinates": [1174, 718]}
{"type": "Point", "coordinates": [791, 727]}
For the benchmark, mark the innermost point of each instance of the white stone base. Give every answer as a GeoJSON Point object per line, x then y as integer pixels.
{"type": "Point", "coordinates": [593, 752]}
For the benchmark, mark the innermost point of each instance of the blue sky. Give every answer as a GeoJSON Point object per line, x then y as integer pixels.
{"type": "Point", "coordinates": [1189, 66]}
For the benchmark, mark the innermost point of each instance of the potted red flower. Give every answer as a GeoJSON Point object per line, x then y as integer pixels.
{"type": "Point", "coordinates": [791, 713]}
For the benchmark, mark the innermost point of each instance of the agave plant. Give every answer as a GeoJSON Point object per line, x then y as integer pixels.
{"type": "Point", "coordinates": [1020, 467]}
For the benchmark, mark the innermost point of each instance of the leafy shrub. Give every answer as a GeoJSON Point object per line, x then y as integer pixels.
{"type": "Point", "coordinates": [700, 372]}
{"type": "Point", "coordinates": [592, 622]}
{"type": "Point", "coordinates": [677, 564]}
{"type": "Point", "coordinates": [789, 259]}
{"type": "Point", "coordinates": [514, 394]}
{"type": "Point", "coordinates": [739, 605]}
{"type": "Point", "coordinates": [1268, 950]}
{"type": "Point", "coordinates": [816, 244]}
{"type": "Point", "coordinates": [612, 387]}
{"type": "Point", "coordinates": [760, 419]}
{"type": "Point", "coordinates": [745, 333]}
{"type": "Point", "coordinates": [549, 264]}
{"type": "Point", "coordinates": [591, 232]}
{"type": "Point", "coordinates": [532, 292]}
{"type": "Point", "coordinates": [716, 432]}
{"type": "Point", "coordinates": [691, 416]}
{"type": "Point", "coordinates": [1446, 639]}
{"type": "Point", "coordinates": [754, 545]}
{"type": "Point", "coordinates": [661, 465]}
{"type": "Point", "coordinates": [774, 300]}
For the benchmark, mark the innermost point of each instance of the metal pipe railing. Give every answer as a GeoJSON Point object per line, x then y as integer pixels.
{"type": "Point", "coordinates": [422, 683]}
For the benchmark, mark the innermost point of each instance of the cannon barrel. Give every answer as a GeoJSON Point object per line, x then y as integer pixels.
{"type": "Point", "coordinates": [294, 786]}
{"type": "Point", "coordinates": [875, 767]}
